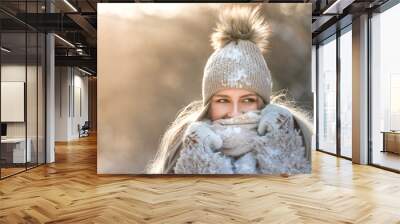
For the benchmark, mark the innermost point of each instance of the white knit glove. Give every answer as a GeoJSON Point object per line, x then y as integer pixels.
{"type": "Point", "coordinates": [200, 133]}
{"type": "Point", "coordinates": [246, 164]}
{"type": "Point", "coordinates": [281, 152]}
{"type": "Point", "coordinates": [280, 149]}
{"type": "Point", "coordinates": [199, 154]}
{"type": "Point", "coordinates": [275, 117]}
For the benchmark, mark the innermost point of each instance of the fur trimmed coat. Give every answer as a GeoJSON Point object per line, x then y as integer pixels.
{"type": "Point", "coordinates": [266, 142]}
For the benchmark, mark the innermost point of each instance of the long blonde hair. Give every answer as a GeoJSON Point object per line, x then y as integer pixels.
{"type": "Point", "coordinates": [171, 141]}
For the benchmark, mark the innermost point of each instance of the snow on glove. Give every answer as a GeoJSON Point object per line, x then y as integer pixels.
{"type": "Point", "coordinates": [282, 148]}
{"type": "Point", "coordinates": [200, 133]}
{"type": "Point", "coordinates": [281, 152]}
{"type": "Point", "coordinates": [198, 154]}
{"type": "Point", "coordinates": [275, 117]}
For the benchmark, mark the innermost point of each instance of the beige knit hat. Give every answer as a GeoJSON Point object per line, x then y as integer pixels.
{"type": "Point", "coordinates": [240, 38]}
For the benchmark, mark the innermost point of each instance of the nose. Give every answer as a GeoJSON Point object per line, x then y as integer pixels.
{"type": "Point", "coordinates": [235, 110]}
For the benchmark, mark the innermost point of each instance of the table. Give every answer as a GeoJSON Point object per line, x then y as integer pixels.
{"type": "Point", "coordinates": [391, 141]}
{"type": "Point", "coordinates": [15, 148]}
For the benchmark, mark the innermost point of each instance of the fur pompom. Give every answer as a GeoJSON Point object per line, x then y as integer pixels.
{"type": "Point", "coordinates": [241, 23]}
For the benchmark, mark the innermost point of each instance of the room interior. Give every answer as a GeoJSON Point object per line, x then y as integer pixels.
{"type": "Point", "coordinates": [49, 125]}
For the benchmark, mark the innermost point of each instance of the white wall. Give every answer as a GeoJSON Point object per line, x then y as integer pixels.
{"type": "Point", "coordinates": [79, 117]}
{"type": "Point", "coordinates": [62, 81]}
{"type": "Point", "coordinates": [70, 83]}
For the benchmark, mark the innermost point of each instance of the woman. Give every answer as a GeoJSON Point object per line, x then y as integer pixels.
{"type": "Point", "coordinates": [237, 127]}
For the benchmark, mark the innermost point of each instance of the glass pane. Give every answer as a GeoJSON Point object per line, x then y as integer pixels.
{"type": "Point", "coordinates": [13, 89]}
{"type": "Point", "coordinates": [31, 101]}
{"type": "Point", "coordinates": [41, 99]}
{"type": "Point", "coordinates": [22, 89]}
{"type": "Point", "coordinates": [346, 94]}
{"type": "Point", "coordinates": [385, 85]}
{"type": "Point", "coordinates": [327, 96]}
{"type": "Point", "coordinates": [313, 87]}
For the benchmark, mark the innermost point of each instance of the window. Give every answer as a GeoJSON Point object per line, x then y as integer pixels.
{"type": "Point", "coordinates": [346, 92]}
{"type": "Point", "coordinates": [327, 96]}
{"type": "Point", "coordinates": [385, 85]}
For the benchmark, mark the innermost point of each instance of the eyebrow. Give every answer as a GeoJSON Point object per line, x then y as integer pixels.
{"type": "Point", "coordinates": [247, 95]}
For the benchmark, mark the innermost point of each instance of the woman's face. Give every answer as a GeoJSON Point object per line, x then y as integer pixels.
{"type": "Point", "coordinates": [230, 103]}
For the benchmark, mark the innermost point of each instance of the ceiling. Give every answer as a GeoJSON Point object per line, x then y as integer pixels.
{"type": "Point", "coordinates": [75, 21]}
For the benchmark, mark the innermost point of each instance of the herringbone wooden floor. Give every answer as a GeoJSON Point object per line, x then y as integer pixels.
{"type": "Point", "coordinates": [70, 191]}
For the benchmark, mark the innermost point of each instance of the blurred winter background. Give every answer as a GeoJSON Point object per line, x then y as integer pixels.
{"type": "Point", "coordinates": [150, 65]}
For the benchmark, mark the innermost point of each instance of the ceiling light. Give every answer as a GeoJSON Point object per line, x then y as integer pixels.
{"type": "Point", "coordinates": [84, 71]}
{"type": "Point", "coordinates": [337, 7]}
{"type": "Point", "coordinates": [64, 40]}
{"type": "Point", "coordinates": [70, 5]}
